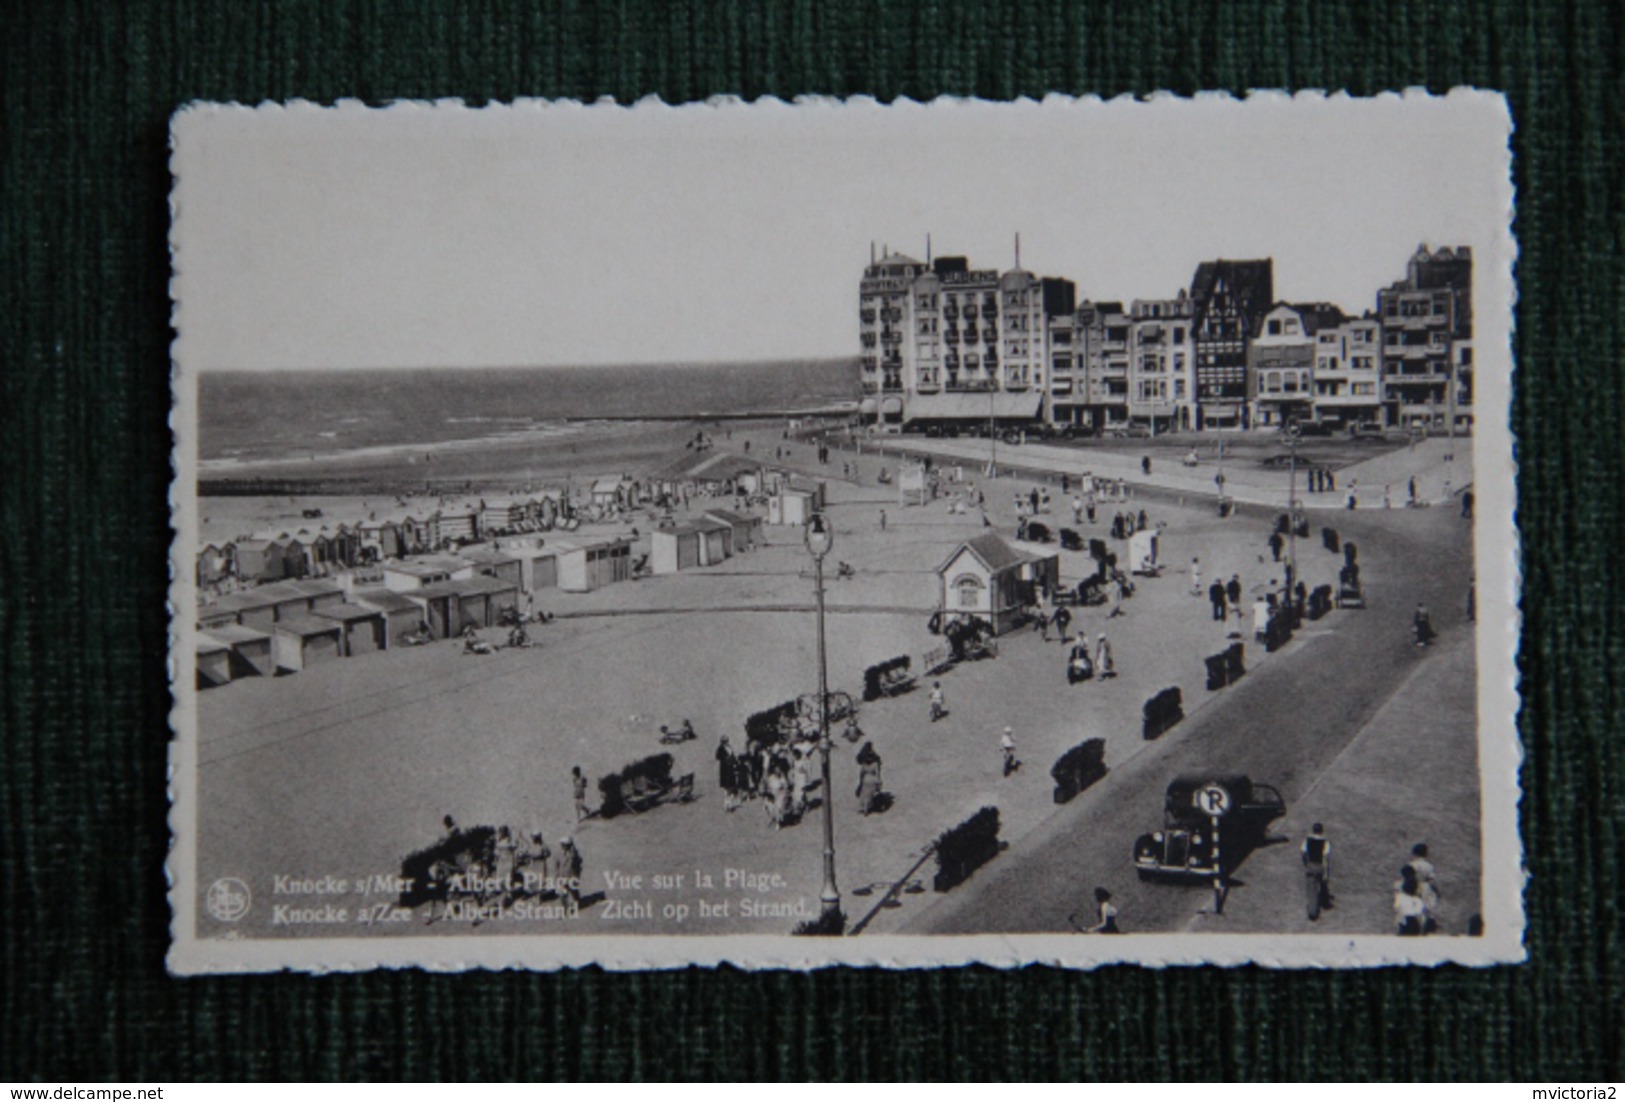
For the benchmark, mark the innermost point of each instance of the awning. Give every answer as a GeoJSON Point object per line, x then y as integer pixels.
{"type": "Point", "coordinates": [973, 407]}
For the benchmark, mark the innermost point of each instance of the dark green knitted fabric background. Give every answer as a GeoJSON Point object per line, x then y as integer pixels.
{"type": "Point", "coordinates": [88, 88]}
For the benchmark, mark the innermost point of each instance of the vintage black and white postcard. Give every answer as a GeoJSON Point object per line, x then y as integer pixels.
{"type": "Point", "coordinates": [834, 532]}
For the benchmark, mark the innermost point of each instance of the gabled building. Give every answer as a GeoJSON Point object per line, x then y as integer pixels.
{"type": "Point", "coordinates": [1229, 298]}
{"type": "Point", "coordinates": [1281, 361]}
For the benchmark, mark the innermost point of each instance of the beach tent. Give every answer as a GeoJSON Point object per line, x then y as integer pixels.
{"type": "Point", "coordinates": [992, 581]}
{"type": "Point", "coordinates": [592, 565]}
{"type": "Point", "coordinates": [303, 640]}
{"type": "Point", "coordinates": [457, 528]}
{"type": "Point", "coordinates": [363, 629]}
{"type": "Point", "coordinates": [747, 529]}
{"type": "Point", "coordinates": [213, 663]}
{"type": "Point", "coordinates": [252, 653]}
{"type": "Point", "coordinates": [401, 616]}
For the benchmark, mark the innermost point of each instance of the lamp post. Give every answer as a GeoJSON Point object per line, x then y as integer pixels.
{"type": "Point", "coordinates": [820, 538]}
{"type": "Point", "coordinates": [1292, 512]}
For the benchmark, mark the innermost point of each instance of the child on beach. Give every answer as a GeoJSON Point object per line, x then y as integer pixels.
{"type": "Point", "coordinates": [938, 708]}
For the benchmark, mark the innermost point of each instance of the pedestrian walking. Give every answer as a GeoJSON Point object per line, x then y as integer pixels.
{"type": "Point", "coordinates": [1117, 598]}
{"type": "Point", "coordinates": [939, 707]}
{"type": "Point", "coordinates": [1422, 625]}
{"type": "Point", "coordinates": [1145, 465]}
{"type": "Point", "coordinates": [1467, 505]}
{"type": "Point", "coordinates": [1216, 597]}
{"type": "Point", "coordinates": [1472, 598]}
{"type": "Point", "coordinates": [1316, 854]}
{"type": "Point", "coordinates": [882, 520]}
{"type": "Point", "coordinates": [1387, 497]}
{"type": "Point", "coordinates": [1411, 488]}
{"type": "Point", "coordinates": [1426, 876]}
{"type": "Point", "coordinates": [869, 780]}
{"type": "Point", "coordinates": [1232, 591]}
{"type": "Point", "coordinates": [578, 782]}
{"type": "Point", "coordinates": [1447, 489]}
{"type": "Point", "coordinates": [1007, 744]}
{"type": "Point", "coordinates": [1104, 666]}
{"type": "Point", "coordinates": [1041, 622]}
{"type": "Point", "coordinates": [1196, 576]}
{"type": "Point", "coordinates": [1276, 543]}
{"type": "Point", "coordinates": [1331, 482]}
{"type": "Point", "coordinates": [1063, 620]}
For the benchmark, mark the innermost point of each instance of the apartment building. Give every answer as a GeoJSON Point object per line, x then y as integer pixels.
{"type": "Point", "coordinates": [1161, 361]}
{"type": "Point", "coordinates": [1427, 341]}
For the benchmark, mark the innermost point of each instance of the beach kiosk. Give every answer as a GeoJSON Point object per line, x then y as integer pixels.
{"type": "Point", "coordinates": [364, 629]}
{"type": "Point", "coordinates": [592, 565]}
{"type": "Point", "coordinates": [992, 581]}
{"type": "Point", "coordinates": [304, 640]}
{"type": "Point", "coordinates": [213, 662]}
{"type": "Point", "coordinates": [252, 654]}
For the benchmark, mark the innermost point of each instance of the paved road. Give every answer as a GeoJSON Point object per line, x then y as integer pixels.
{"type": "Point", "coordinates": [1284, 725]}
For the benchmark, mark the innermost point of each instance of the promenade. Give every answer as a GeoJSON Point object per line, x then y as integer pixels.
{"type": "Point", "coordinates": [351, 765]}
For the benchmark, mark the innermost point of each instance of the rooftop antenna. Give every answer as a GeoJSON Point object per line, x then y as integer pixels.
{"type": "Point", "coordinates": [927, 250]}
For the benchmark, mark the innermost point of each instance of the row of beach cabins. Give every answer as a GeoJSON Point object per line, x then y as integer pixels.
{"type": "Point", "coordinates": [278, 604]}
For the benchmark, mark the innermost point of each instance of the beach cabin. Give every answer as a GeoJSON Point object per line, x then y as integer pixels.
{"type": "Point", "coordinates": [261, 560]}
{"type": "Point", "coordinates": [254, 608]}
{"type": "Point", "coordinates": [495, 564]}
{"type": "Point", "coordinates": [318, 592]}
{"type": "Point", "coordinates": [991, 580]}
{"type": "Point", "coordinates": [215, 563]}
{"type": "Point", "coordinates": [607, 493]}
{"type": "Point", "coordinates": [747, 529]}
{"type": "Point", "coordinates": [305, 640]}
{"type": "Point", "coordinates": [213, 663]}
{"type": "Point", "coordinates": [457, 528]}
{"type": "Point", "coordinates": [790, 507]}
{"type": "Point", "coordinates": [380, 540]}
{"type": "Point", "coordinates": [481, 599]}
{"type": "Point", "coordinates": [252, 654]}
{"type": "Point", "coordinates": [405, 575]}
{"type": "Point", "coordinates": [363, 629]}
{"type": "Point", "coordinates": [673, 549]}
{"type": "Point", "coordinates": [538, 564]}
{"type": "Point", "coordinates": [716, 540]}
{"type": "Point", "coordinates": [401, 616]}
{"type": "Point", "coordinates": [440, 606]}
{"type": "Point", "coordinates": [593, 565]}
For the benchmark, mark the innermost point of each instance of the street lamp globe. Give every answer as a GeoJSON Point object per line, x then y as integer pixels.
{"type": "Point", "coordinates": [820, 535]}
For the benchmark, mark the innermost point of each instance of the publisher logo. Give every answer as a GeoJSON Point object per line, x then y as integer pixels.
{"type": "Point", "coordinates": [228, 899]}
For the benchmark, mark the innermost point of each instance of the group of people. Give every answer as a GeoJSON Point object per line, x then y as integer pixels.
{"type": "Point", "coordinates": [1416, 892]}
{"type": "Point", "coordinates": [1080, 667]}
{"type": "Point", "coordinates": [778, 774]}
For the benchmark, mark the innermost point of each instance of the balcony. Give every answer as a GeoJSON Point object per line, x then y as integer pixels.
{"type": "Point", "coordinates": [970, 312]}
{"type": "Point", "coordinates": [951, 336]}
{"type": "Point", "coordinates": [951, 313]}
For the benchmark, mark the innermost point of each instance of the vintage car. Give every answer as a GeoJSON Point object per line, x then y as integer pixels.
{"type": "Point", "coordinates": [1194, 803]}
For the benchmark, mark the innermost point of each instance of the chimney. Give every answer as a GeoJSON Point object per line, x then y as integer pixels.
{"type": "Point", "coordinates": [1018, 250]}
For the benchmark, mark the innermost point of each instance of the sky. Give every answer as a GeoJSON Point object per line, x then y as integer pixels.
{"type": "Point", "coordinates": [535, 233]}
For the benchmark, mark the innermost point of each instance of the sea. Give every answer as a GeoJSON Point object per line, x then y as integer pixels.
{"type": "Point", "coordinates": [248, 416]}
